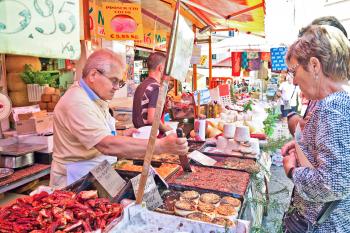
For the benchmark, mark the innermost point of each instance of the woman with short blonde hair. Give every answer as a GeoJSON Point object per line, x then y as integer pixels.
{"type": "Point", "coordinates": [319, 62]}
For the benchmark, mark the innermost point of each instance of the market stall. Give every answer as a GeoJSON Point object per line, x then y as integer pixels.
{"type": "Point", "coordinates": [212, 193]}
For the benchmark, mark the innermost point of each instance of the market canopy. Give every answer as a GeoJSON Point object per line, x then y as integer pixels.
{"type": "Point", "coordinates": [239, 15]}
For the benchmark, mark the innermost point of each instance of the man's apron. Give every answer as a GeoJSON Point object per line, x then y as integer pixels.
{"type": "Point", "coordinates": [76, 170]}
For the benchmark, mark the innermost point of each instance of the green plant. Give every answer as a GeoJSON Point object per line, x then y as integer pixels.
{"type": "Point", "coordinates": [274, 144]}
{"type": "Point", "coordinates": [38, 77]}
{"type": "Point", "coordinates": [248, 106]}
{"type": "Point", "coordinates": [28, 75]}
{"type": "Point", "coordinates": [270, 122]}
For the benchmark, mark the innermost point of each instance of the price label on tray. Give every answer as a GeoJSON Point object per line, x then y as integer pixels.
{"type": "Point", "coordinates": [151, 195]}
{"type": "Point", "coordinates": [109, 179]}
{"type": "Point", "coordinates": [202, 158]}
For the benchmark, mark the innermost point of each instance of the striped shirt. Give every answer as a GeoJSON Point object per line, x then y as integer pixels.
{"type": "Point", "coordinates": [145, 97]}
{"type": "Point", "coordinates": [326, 143]}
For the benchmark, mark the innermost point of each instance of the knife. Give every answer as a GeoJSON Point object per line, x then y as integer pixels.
{"type": "Point", "coordinates": [184, 161]}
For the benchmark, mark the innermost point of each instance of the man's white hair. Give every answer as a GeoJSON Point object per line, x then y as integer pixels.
{"type": "Point", "coordinates": [104, 60]}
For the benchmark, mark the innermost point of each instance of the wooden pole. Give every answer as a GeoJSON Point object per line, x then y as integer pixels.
{"type": "Point", "coordinates": [176, 87]}
{"type": "Point", "coordinates": [194, 67]}
{"type": "Point", "coordinates": [210, 62]}
{"type": "Point", "coordinates": [159, 108]}
{"type": "Point", "coordinates": [152, 140]}
{"type": "Point", "coordinates": [198, 104]}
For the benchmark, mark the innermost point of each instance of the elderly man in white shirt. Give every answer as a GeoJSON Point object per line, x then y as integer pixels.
{"type": "Point", "coordinates": [84, 131]}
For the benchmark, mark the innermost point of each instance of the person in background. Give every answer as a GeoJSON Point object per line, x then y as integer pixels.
{"type": "Point", "coordinates": [146, 94]}
{"type": "Point", "coordinates": [288, 93]}
{"type": "Point", "coordinates": [293, 120]}
{"type": "Point", "coordinates": [319, 167]}
{"type": "Point", "coordinates": [84, 130]}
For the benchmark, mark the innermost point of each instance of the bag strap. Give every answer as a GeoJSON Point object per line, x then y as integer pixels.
{"type": "Point", "coordinates": [295, 87]}
{"type": "Point", "coordinates": [326, 211]}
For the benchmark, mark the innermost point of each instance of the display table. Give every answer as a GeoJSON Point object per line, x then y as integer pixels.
{"type": "Point", "coordinates": [257, 194]}
{"type": "Point", "coordinates": [24, 176]}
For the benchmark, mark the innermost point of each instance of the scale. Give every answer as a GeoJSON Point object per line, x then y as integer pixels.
{"type": "Point", "coordinates": [15, 155]}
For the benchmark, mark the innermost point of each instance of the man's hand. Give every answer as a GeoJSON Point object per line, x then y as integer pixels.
{"type": "Point", "coordinates": [129, 132]}
{"type": "Point", "coordinates": [172, 144]}
{"type": "Point", "coordinates": [288, 146]}
{"type": "Point", "coordinates": [289, 162]}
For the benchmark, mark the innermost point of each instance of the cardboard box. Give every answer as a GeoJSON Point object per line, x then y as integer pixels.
{"type": "Point", "coordinates": [27, 116]}
{"type": "Point", "coordinates": [36, 139]}
{"type": "Point", "coordinates": [35, 125]}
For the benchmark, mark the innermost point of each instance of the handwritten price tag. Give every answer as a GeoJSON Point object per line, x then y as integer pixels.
{"type": "Point", "coordinates": [47, 28]}
{"type": "Point", "coordinates": [151, 195]}
{"type": "Point", "coordinates": [108, 178]}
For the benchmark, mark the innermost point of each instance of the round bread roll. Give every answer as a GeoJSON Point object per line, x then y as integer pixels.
{"type": "Point", "coordinates": [210, 198]}
{"type": "Point", "coordinates": [199, 217]}
{"type": "Point", "coordinates": [15, 82]}
{"type": "Point", "coordinates": [190, 196]}
{"type": "Point", "coordinates": [231, 201]}
{"type": "Point", "coordinates": [16, 63]}
{"type": "Point", "coordinates": [223, 222]}
{"type": "Point", "coordinates": [206, 208]}
{"type": "Point", "coordinates": [226, 211]}
{"type": "Point", "coordinates": [184, 208]}
{"type": "Point", "coordinates": [19, 98]}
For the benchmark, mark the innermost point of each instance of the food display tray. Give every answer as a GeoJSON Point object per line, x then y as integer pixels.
{"type": "Point", "coordinates": [184, 180]}
{"type": "Point", "coordinates": [205, 147]}
{"type": "Point", "coordinates": [132, 173]}
{"type": "Point", "coordinates": [179, 189]}
{"type": "Point", "coordinates": [195, 145]}
{"type": "Point", "coordinates": [157, 160]}
{"type": "Point", "coordinates": [246, 165]}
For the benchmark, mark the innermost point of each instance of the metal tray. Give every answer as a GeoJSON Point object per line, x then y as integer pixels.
{"type": "Point", "coordinates": [221, 159]}
{"type": "Point", "coordinates": [213, 145]}
{"type": "Point", "coordinates": [201, 191]}
{"type": "Point", "coordinates": [16, 161]}
{"type": "Point", "coordinates": [176, 186]}
{"type": "Point", "coordinates": [132, 174]}
{"type": "Point", "coordinates": [195, 145]}
{"type": "Point", "coordinates": [5, 172]}
{"type": "Point", "coordinates": [19, 149]}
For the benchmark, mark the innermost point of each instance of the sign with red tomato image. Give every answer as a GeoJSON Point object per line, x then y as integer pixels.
{"type": "Point", "coordinates": [122, 21]}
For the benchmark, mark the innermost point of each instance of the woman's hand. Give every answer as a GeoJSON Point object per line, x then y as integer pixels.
{"type": "Point", "coordinates": [289, 162]}
{"type": "Point", "coordinates": [287, 147]}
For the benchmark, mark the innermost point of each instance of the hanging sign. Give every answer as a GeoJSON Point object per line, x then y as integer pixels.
{"type": "Point", "coordinates": [236, 63]}
{"type": "Point", "coordinates": [196, 54]}
{"type": "Point", "coordinates": [151, 39]}
{"type": "Point", "coordinates": [40, 28]}
{"type": "Point", "coordinates": [122, 21]}
{"type": "Point", "coordinates": [93, 13]}
{"type": "Point", "coordinates": [204, 96]}
{"type": "Point", "coordinates": [203, 60]}
{"type": "Point", "coordinates": [182, 53]}
{"type": "Point", "coordinates": [278, 58]}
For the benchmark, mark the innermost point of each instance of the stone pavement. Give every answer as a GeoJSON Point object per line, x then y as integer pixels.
{"type": "Point", "coordinates": [280, 189]}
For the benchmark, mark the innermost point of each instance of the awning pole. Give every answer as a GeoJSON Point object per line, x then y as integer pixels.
{"type": "Point", "coordinates": [210, 62]}
{"type": "Point", "coordinates": [194, 66]}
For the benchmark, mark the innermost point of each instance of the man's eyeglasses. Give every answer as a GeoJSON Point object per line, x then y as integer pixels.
{"type": "Point", "coordinates": [116, 82]}
{"type": "Point", "coordinates": [291, 71]}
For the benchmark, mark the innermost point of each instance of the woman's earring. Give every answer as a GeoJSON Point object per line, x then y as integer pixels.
{"type": "Point", "coordinates": [316, 77]}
